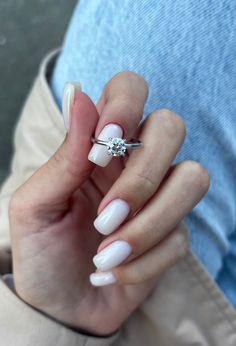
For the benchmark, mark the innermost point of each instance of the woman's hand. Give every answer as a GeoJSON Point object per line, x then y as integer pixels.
{"type": "Point", "coordinates": [52, 213]}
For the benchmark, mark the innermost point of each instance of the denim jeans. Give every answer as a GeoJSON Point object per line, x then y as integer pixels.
{"type": "Point", "coordinates": [186, 50]}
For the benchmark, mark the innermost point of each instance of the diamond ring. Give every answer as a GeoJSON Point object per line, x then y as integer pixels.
{"type": "Point", "coordinates": [117, 146]}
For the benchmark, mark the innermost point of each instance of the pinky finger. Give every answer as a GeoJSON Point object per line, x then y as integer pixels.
{"type": "Point", "coordinates": [151, 264]}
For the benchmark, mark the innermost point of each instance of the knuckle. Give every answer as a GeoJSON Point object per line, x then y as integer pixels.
{"type": "Point", "coordinates": [126, 104]}
{"type": "Point", "coordinates": [144, 182]}
{"type": "Point", "coordinates": [127, 110]}
{"type": "Point", "coordinates": [58, 157]}
{"type": "Point", "coordinates": [135, 186]}
{"type": "Point", "coordinates": [18, 207]}
{"type": "Point", "coordinates": [172, 122]}
{"type": "Point", "coordinates": [197, 174]}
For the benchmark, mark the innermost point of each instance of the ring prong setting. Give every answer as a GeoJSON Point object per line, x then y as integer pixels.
{"type": "Point", "coordinates": [116, 146]}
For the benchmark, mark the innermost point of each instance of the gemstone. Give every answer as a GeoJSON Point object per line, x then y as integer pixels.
{"type": "Point", "coordinates": [116, 146]}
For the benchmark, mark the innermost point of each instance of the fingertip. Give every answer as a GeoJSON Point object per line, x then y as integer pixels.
{"type": "Point", "coordinates": [84, 118]}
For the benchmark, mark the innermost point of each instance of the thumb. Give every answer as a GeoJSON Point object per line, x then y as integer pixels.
{"type": "Point", "coordinates": [51, 186]}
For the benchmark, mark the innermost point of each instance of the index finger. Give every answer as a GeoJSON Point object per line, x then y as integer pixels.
{"type": "Point", "coordinates": [121, 108]}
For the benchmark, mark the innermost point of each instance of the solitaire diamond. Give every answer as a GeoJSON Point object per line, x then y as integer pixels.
{"type": "Point", "coordinates": [116, 147]}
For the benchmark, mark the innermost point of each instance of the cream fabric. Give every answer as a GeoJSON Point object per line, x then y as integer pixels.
{"type": "Point", "coordinates": [185, 308]}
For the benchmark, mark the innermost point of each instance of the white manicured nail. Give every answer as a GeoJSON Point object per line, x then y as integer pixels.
{"type": "Point", "coordinates": [112, 255]}
{"type": "Point", "coordinates": [67, 102]}
{"type": "Point", "coordinates": [98, 154]}
{"type": "Point", "coordinates": [102, 278]}
{"type": "Point", "coordinates": [112, 216]}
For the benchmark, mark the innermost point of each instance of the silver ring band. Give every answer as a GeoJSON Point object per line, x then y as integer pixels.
{"type": "Point", "coordinates": [117, 146]}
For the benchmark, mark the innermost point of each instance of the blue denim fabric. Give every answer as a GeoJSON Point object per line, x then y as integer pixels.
{"type": "Point", "coordinates": [186, 50]}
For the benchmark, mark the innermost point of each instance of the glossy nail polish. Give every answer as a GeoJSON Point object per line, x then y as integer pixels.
{"type": "Point", "coordinates": [112, 255]}
{"type": "Point", "coordinates": [98, 153]}
{"type": "Point", "coordinates": [102, 278]}
{"type": "Point", "coordinates": [67, 102]}
{"type": "Point", "coordinates": [112, 216]}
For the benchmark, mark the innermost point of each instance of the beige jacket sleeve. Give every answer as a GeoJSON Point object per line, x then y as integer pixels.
{"type": "Point", "coordinates": [21, 325]}
{"type": "Point", "coordinates": [38, 134]}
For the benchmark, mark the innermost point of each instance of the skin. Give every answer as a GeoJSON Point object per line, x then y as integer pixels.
{"type": "Point", "coordinates": [52, 213]}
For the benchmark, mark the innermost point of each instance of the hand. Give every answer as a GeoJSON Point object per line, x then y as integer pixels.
{"type": "Point", "coordinates": [52, 213]}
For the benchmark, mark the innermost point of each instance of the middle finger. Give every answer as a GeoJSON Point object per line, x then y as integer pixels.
{"type": "Point", "coordinates": [162, 134]}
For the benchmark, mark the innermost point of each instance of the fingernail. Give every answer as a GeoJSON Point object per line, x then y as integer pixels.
{"type": "Point", "coordinates": [67, 102]}
{"type": "Point", "coordinates": [102, 279]}
{"type": "Point", "coordinates": [112, 255]}
{"type": "Point", "coordinates": [98, 154]}
{"type": "Point", "coordinates": [112, 216]}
